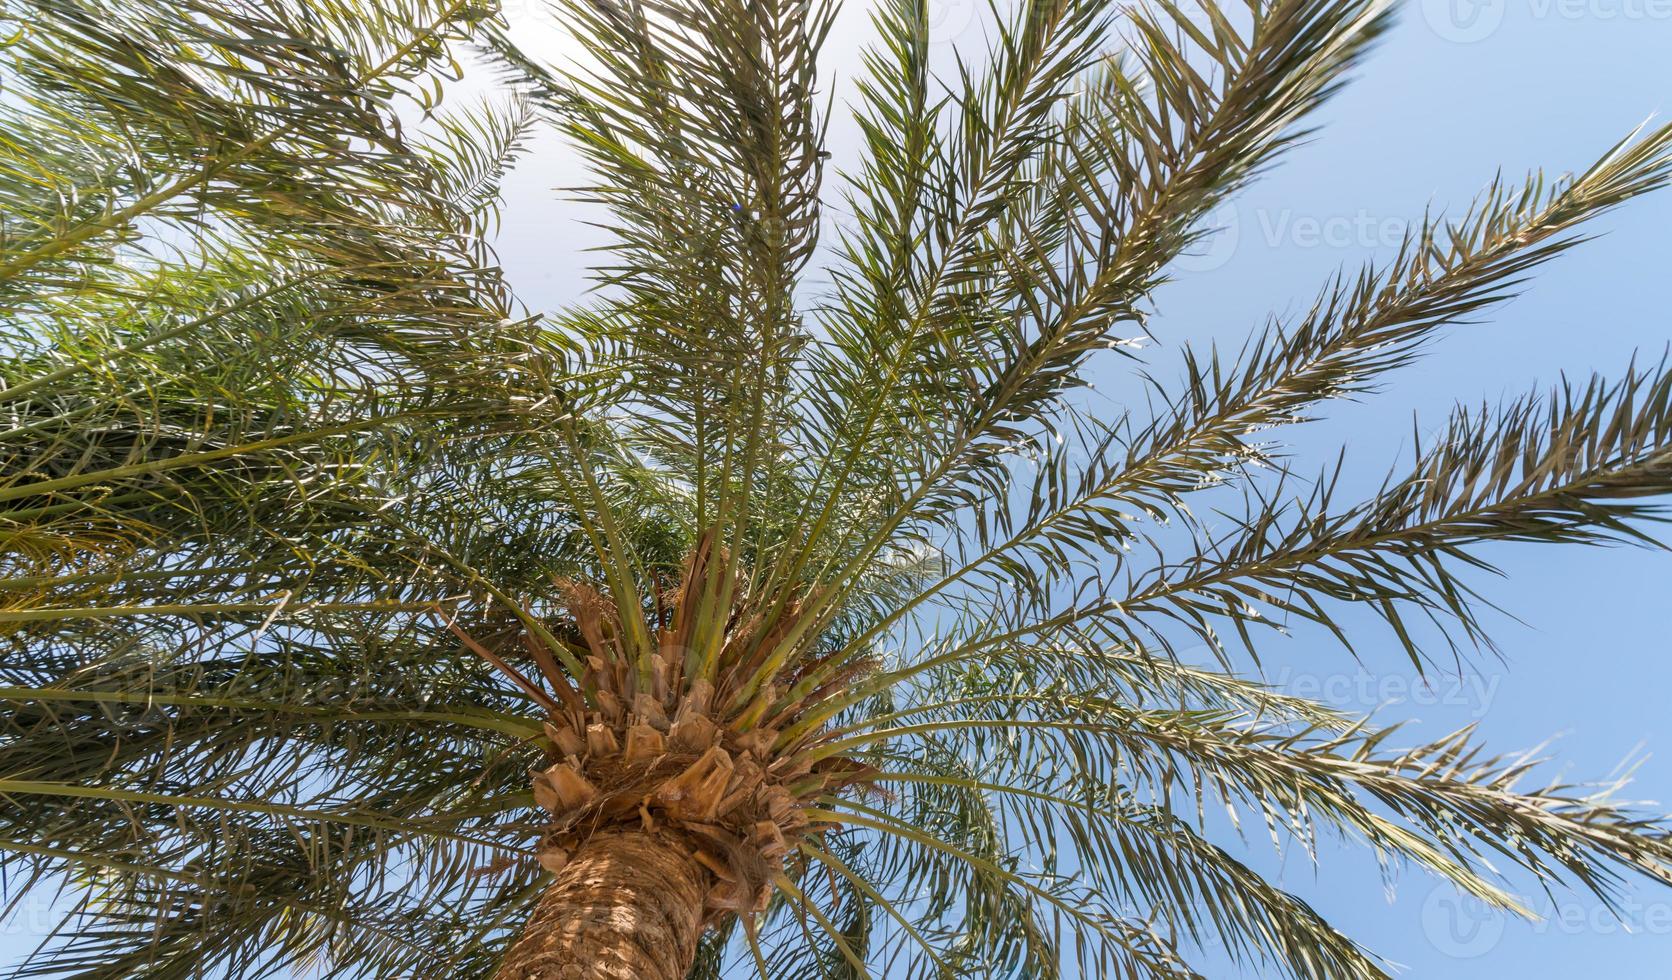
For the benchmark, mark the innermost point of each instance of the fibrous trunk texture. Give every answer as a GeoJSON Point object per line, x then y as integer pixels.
{"type": "Point", "coordinates": [678, 775]}
{"type": "Point", "coordinates": [627, 906]}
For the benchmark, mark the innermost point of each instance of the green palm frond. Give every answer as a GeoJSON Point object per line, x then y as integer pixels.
{"type": "Point", "coordinates": [315, 544]}
{"type": "Point", "coordinates": [259, 272]}
{"type": "Point", "coordinates": [1584, 464]}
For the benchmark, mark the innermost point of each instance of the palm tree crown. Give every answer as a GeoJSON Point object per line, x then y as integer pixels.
{"type": "Point", "coordinates": [347, 603]}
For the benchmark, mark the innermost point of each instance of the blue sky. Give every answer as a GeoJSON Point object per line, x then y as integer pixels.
{"type": "Point", "coordinates": [1461, 89]}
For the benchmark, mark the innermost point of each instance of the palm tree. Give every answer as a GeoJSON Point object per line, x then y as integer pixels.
{"type": "Point", "coordinates": [359, 622]}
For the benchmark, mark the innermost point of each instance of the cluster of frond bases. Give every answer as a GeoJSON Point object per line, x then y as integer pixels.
{"type": "Point", "coordinates": [691, 746]}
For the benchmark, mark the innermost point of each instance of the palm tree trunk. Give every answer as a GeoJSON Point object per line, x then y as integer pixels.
{"type": "Point", "coordinates": [627, 906]}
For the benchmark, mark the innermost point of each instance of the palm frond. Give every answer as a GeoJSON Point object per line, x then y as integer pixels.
{"type": "Point", "coordinates": [1582, 464]}
{"type": "Point", "coordinates": [340, 598]}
